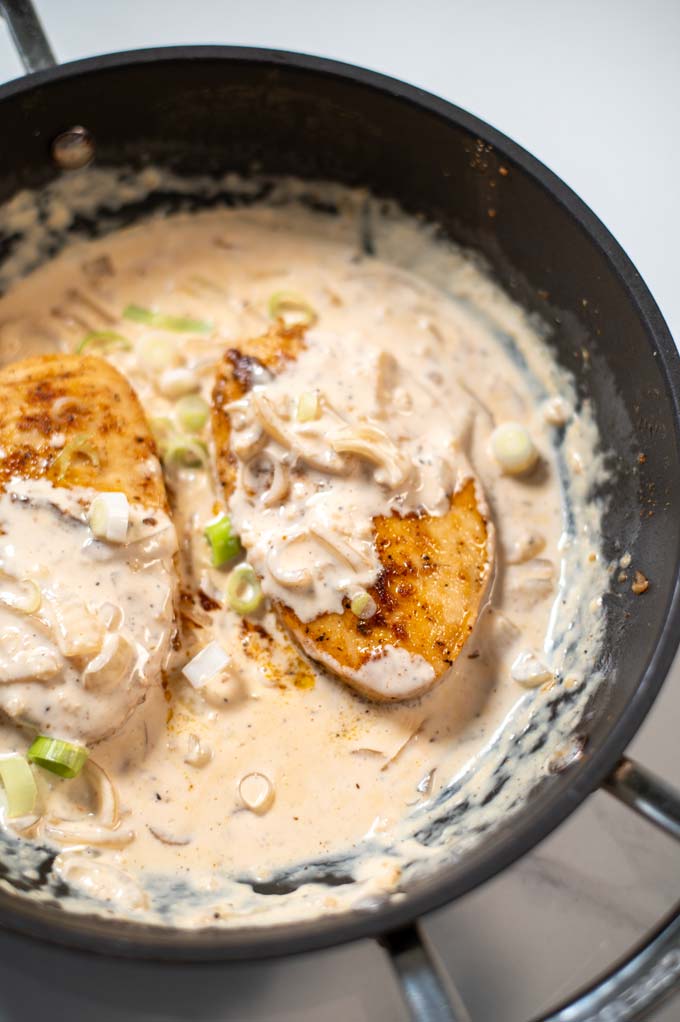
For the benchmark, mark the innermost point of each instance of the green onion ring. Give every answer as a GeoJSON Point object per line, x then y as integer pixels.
{"type": "Point", "coordinates": [243, 589]}
{"type": "Point", "coordinates": [163, 321]}
{"type": "Point", "coordinates": [60, 757]}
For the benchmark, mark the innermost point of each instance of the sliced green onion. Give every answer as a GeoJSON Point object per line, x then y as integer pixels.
{"type": "Point", "coordinates": [292, 308]}
{"type": "Point", "coordinates": [157, 353]}
{"type": "Point", "coordinates": [20, 787]}
{"type": "Point", "coordinates": [513, 448]}
{"type": "Point", "coordinates": [192, 413]}
{"type": "Point", "coordinates": [308, 406]}
{"type": "Point", "coordinates": [109, 517]}
{"type": "Point", "coordinates": [161, 427]}
{"type": "Point", "coordinates": [243, 589]}
{"type": "Point", "coordinates": [162, 321]}
{"type": "Point", "coordinates": [224, 542]}
{"type": "Point", "coordinates": [80, 446]}
{"type": "Point", "coordinates": [103, 340]}
{"type": "Point", "coordinates": [62, 758]}
{"type": "Point", "coordinates": [363, 606]}
{"type": "Point", "coordinates": [185, 451]}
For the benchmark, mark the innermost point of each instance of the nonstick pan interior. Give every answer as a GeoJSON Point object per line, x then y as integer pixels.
{"type": "Point", "coordinates": [205, 111]}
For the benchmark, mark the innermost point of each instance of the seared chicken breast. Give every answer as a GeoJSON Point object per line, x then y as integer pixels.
{"type": "Point", "coordinates": [81, 405]}
{"type": "Point", "coordinates": [434, 569]}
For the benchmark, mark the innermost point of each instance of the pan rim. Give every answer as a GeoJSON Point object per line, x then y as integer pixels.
{"type": "Point", "coordinates": [122, 939]}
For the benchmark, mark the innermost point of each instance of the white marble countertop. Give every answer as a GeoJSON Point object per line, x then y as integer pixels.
{"type": "Point", "coordinates": [591, 89]}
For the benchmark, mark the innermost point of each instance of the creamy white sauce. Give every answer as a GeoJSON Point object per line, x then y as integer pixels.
{"type": "Point", "coordinates": [78, 666]}
{"type": "Point", "coordinates": [386, 439]}
{"type": "Point", "coordinates": [359, 790]}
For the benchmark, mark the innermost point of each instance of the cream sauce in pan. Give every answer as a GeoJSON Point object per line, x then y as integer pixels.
{"type": "Point", "coordinates": [418, 341]}
{"type": "Point", "coordinates": [78, 666]}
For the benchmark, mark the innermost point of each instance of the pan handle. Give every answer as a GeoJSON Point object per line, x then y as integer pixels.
{"type": "Point", "coordinates": [636, 985]}
{"type": "Point", "coordinates": [28, 35]}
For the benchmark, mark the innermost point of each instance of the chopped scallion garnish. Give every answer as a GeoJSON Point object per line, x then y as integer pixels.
{"type": "Point", "coordinates": [192, 413]}
{"type": "Point", "coordinates": [224, 543]}
{"type": "Point", "coordinates": [513, 448]}
{"type": "Point", "coordinates": [20, 787]}
{"type": "Point", "coordinates": [109, 517]}
{"type": "Point", "coordinates": [103, 340]}
{"type": "Point", "coordinates": [243, 589]}
{"type": "Point", "coordinates": [62, 758]}
{"type": "Point", "coordinates": [292, 308]}
{"type": "Point", "coordinates": [80, 446]}
{"type": "Point", "coordinates": [163, 321]}
{"type": "Point", "coordinates": [185, 451]}
{"type": "Point", "coordinates": [363, 605]}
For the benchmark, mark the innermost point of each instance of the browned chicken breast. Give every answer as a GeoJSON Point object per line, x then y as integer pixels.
{"type": "Point", "coordinates": [435, 569]}
{"type": "Point", "coordinates": [240, 370]}
{"type": "Point", "coordinates": [80, 405]}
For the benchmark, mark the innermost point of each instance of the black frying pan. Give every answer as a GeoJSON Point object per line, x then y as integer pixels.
{"type": "Point", "coordinates": [211, 109]}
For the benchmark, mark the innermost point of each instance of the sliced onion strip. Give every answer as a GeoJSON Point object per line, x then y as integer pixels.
{"type": "Point", "coordinates": [167, 839]}
{"type": "Point", "coordinates": [26, 603]}
{"type": "Point", "coordinates": [105, 794]}
{"type": "Point", "coordinates": [340, 548]}
{"type": "Point", "coordinates": [85, 832]}
{"type": "Point", "coordinates": [290, 578]}
{"type": "Point", "coordinates": [375, 446]}
{"type": "Point", "coordinates": [278, 487]}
